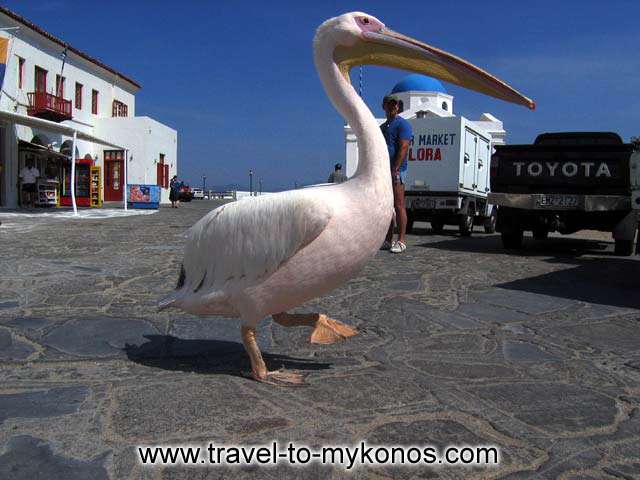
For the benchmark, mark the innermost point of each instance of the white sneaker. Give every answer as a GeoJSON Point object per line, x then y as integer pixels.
{"type": "Point", "coordinates": [398, 247]}
{"type": "Point", "coordinates": [386, 245]}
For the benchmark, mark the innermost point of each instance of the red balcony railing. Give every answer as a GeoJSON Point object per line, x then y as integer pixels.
{"type": "Point", "coordinates": [48, 106]}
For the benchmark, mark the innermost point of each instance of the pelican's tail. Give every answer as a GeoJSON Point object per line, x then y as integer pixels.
{"type": "Point", "coordinates": [181, 278]}
{"type": "Point", "coordinates": [168, 301]}
{"type": "Point", "coordinates": [171, 299]}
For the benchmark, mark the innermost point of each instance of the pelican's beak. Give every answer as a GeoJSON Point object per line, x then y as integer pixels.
{"type": "Point", "coordinates": [388, 48]}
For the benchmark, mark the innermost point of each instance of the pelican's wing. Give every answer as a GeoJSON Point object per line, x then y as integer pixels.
{"type": "Point", "coordinates": [246, 241]}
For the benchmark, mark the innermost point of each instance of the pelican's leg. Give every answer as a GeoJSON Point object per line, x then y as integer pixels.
{"type": "Point", "coordinates": [325, 330]}
{"type": "Point", "coordinates": [259, 369]}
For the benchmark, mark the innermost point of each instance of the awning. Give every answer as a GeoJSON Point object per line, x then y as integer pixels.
{"type": "Point", "coordinates": [34, 147]}
{"type": "Point", "coordinates": [71, 132]}
{"type": "Point", "coordinates": [54, 127]}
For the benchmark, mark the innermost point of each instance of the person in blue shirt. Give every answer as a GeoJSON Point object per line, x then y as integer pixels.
{"type": "Point", "coordinates": [397, 133]}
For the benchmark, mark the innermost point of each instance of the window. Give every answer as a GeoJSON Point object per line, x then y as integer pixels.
{"type": "Point", "coordinates": [78, 96]}
{"type": "Point", "coordinates": [445, 106]}
{"type": "Point", "coordinates": [94, 102]}
{"type": "Point", "coordinates": [40, 79]}
{"type": "Point", "coordinates": [119, 109]}
{"type": "Point", "coordinates": [20, 72]}
{"type": "Point", "coordinates": [60, 86]}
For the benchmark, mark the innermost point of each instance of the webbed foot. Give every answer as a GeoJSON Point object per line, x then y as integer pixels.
{"type": "Point", "coordinates": [327, 331]}
{"type": "Point", "coordinates": [281, 378]}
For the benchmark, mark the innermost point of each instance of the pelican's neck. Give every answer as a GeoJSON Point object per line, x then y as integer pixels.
{"type": "Point", "coordinates": [373, 156]}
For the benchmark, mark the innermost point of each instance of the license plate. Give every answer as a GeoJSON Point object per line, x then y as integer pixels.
{"type": "Point", "coordinates": [425, 203]}
{"type": "Point", "coordinates": [565, 201]}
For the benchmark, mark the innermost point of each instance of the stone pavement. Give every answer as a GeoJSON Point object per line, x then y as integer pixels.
{"type": "Point", "coordinates": [460, 343]}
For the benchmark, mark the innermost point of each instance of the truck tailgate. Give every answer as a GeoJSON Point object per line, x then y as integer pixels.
{"type": "Point", "coordinates": [602, 169]}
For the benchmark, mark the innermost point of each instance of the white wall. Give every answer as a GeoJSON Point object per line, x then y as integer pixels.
{"type": "Point", "coordinates": [415, 100]}
{"type": "Point", "coordinates": [41, 52]}
{"type": "Point", "coordinates": [245, 195]}
{"type": "Point", "coordinates": [146, 139]}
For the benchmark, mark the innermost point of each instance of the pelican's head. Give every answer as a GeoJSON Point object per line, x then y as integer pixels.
{"type": "Point", "coordinates": [358, 38]}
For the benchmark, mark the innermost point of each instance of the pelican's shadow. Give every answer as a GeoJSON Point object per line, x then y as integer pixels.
{"type": "Point", "coordinates": [209, 357]}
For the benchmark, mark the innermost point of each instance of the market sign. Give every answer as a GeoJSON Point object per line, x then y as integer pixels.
{"type": "Point", "coordinates": [428, 146]}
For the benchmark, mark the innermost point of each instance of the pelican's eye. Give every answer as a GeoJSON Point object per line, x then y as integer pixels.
{"type": "Point", "coordinates": [369, 24]}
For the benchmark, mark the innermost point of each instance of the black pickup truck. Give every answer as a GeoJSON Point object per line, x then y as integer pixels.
{"type": "Point", "coordinates": [567, 182]}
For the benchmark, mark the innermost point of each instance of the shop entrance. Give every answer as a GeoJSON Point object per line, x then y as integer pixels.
{"type": "Point", "coordinates": [49, 165]}
{"type": "Point", "coordinates": [113, 175]}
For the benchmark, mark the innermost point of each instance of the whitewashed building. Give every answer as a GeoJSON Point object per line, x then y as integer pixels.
{"type": "Point", "coordinates": [422, 96]}
{"type": "Point", "coordinates": [51, 90]}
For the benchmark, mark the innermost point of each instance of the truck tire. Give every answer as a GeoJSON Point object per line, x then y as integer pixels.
{"type": "Point", "coordinates": [466, 223]}
{"type": "Point", "coordinates": [512, 240]}
{"type": "Point", "coordinates": [540, 233]}
{"type": "Point", "coordinates": [437, 226]}
{"type": "Point", "coordinates": [624, 248]}
{"type": "Point", "coordinates": [490, 222]}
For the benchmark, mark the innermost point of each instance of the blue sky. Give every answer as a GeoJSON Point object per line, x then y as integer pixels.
{"type": "Point", "coordinates": [236, 79]}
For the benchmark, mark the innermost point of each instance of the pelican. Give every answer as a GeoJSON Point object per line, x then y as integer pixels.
{"type": "Point", "coordinates": [267, 255]}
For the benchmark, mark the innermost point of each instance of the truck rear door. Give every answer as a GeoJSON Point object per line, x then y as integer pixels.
{"type": "Point", "coordinates": [482, 172]}
{"type": "Point", "coordinates": [470, 158]}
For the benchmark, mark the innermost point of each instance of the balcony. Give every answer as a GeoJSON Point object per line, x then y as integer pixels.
{"type": "Point", "coordinates": [48, 106]}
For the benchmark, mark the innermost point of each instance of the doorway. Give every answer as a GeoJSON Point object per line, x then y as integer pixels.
{"type": "Point", "coordinates": [40, 78]}
{"type": "Point", "coordinates": [113, 175]}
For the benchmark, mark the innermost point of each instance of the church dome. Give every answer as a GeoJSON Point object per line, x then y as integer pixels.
{"type": "Point", "coordinates": [420, 83]}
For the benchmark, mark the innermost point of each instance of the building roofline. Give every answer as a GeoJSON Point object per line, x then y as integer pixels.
{"type": "Point", "coordinates": [56, 40]}
{"type": "Point", "coordinates": [423, 93]}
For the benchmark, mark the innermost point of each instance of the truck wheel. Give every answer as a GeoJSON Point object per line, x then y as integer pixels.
{"type": "Point", "coordinates": [540, 233]}
{"type": "Point", "coordinates": [490, 222]}
{"type": "Point", "coordinates": [466, 224]}
{"type": "Point", "coordinates": [512, 240]}
{"type": "Point", "coordinates": [624, 247]}
{"type": "Point", "coordinates": [437, 226]}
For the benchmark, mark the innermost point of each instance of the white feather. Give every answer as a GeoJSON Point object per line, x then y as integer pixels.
{"type": "Point", "coordinates": [243, 243]}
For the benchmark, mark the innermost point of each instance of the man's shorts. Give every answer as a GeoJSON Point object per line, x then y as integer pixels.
{"type": "Point", "coordinates": [29, 187]}
{"type": "Point", "coordinates": [399, 179]}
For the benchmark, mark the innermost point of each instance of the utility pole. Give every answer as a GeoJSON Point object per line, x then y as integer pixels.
{"type": "Point", "coordinates": [260, 184]}
{"type": "Point", "coordinates": [204, 180]}
{"type": "Point", "coordinates": [60, 86]}
{"type": "Point", "coordinates": [250, 182]}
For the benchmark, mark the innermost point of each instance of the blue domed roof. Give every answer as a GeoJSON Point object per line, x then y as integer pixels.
{"type": "Point", "coordinates": [420, 83]}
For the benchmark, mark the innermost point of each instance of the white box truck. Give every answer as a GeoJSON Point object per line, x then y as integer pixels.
{"type": "Point", "coordinates": [447, 179]}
